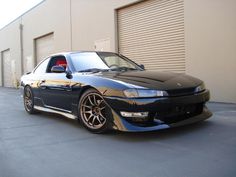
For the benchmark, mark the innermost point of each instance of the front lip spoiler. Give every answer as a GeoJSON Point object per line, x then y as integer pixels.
{"type": "Point", "coordinates": [128, 127]}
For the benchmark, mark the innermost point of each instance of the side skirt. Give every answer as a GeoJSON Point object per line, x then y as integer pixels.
{"type": "Point", "coordinates": [68, 115]}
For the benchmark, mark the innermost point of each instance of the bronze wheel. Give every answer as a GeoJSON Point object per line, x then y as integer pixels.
{"type": "Point", "coordinates": [94, 111]}
{"type": "Point", "coordinates": [29, 100]}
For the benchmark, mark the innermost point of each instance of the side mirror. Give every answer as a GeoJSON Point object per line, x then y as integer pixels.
{"type": "Point", "coordinates": [58, 69]}
{"type": "Point", "coordinates": [142, 66]}
{"type": "Point", "coordinates": [69, 74]}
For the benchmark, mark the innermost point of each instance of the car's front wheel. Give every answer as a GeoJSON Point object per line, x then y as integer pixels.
{"type": "Point", "coordinates": [29, 100]}
{"type": "Point", "coordinates": [94, 112]}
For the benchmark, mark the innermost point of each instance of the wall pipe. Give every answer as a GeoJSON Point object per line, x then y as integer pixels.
{"type": "Point", "coordinates": [21, 48]}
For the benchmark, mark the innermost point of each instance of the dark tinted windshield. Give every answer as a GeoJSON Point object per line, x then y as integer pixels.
{"type": "Point", "coordinates": [104, 61]}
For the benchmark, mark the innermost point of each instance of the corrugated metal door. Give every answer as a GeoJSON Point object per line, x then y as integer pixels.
{"type": "Point", "coordinates": [44, 46]}
{"type": "Point", "coordinates": [151, 32]}
{"type": "Point", "coordinates": [7, 69]}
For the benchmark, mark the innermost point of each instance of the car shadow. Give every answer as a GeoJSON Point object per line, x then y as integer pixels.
{"type": "Point", "coordinates": [161, 134]}
{"type": "Point", "coordinates": [134, 136]}
{"type": "Point", "coordinates": [58, 118]}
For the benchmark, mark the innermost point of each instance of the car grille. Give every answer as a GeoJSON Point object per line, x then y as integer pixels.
{"type": "Point", "coordinates": [178, 113]}
{"type": "Point", "coordinates": [171, 114]}
{"type": "Point", "coordinates": [179, 92]}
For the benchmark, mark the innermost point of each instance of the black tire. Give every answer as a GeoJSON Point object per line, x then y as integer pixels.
{"type": "Point", "coordinates": [29, 100]}
{"type": "Point", "coordinates": [94, 113]}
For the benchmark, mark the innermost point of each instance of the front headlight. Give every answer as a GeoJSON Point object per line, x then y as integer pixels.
{"type": "Point", "coordinates": [200, 88]}
{"type": "Point", "coordinates": [137, 93]}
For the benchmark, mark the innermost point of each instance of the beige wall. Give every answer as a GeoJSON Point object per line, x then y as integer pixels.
{"type": "Point", "coordinates": [210, 28]}
{"type": "Point", "coordinates": [97, 22]}
{"type": "Point", "coordinates": [210, 35]}
{"type": "Point", "coordinates": [91, 20]}
{"type": "Point", "coordinates": [50, 16]}
{"type": "Point", "coordinates": [10, 39]}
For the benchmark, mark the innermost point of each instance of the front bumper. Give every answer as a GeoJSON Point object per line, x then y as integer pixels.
{"type": "Point", "coordinates": [124, 125]}
{"type": "Point", "coordinates": [156, 105]}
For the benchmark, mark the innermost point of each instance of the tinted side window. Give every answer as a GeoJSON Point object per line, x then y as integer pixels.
{"type": "Point", "coordinates": [57, 61]}
{"type": "Point", "coordinates": [41, 69]}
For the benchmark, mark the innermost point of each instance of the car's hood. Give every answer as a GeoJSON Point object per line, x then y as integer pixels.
{"type": "Point", "coordinates": [154, 79]}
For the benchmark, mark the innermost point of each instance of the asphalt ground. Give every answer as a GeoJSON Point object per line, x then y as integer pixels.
{"type": "Point", "coordinates": [49, 145]}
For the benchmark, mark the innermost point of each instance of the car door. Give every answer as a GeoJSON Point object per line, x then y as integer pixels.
{"type": "Point", "coordinates": [55, 88]}
{"type": "Point", "coordinates": [38, 73]}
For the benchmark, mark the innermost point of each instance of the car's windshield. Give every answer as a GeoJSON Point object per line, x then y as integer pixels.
{"type": "Point", "coordinates": [101, 61]}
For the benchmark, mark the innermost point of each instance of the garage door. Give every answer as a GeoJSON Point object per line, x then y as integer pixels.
{"type": "Point", "coordinates": [44, 46]}
{"type": "Point", "coordinates": [152, 33]}
{"type": "Point", "coordinates": [8, 69]}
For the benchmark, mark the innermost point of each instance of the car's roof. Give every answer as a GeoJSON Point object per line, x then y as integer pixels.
{"type": "Point", "coordinates": [72, 52]}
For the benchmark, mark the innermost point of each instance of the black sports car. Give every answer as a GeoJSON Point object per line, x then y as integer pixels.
{"type": "Point", "coordinates": [108, 91]}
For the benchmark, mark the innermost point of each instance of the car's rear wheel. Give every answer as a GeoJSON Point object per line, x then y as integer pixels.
{"type": "Point", "coordinates": [29, 100]}
{"type": "Point", "coordinates": [94, 112]}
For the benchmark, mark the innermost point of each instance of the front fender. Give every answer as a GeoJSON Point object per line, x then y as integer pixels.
{"type": "Point", "coordinates": [106, 86]}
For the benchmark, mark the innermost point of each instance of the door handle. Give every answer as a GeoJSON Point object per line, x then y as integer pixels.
{"type": "Point", "coordinates": [42, 86]}
{"type": "Point", "coordinates": [42, 81]}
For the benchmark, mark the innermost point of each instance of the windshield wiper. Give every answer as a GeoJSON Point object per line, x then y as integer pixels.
{"type": "Point", "coordinates": [123, 68]}
{"type": "Point", "coordinates": [96, 70]}
{"type": "Point", "coordinates": [93, 70]}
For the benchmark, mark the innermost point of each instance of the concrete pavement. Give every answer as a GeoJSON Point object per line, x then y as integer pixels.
{"type": "Point", "coordinates": [48, 145]}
